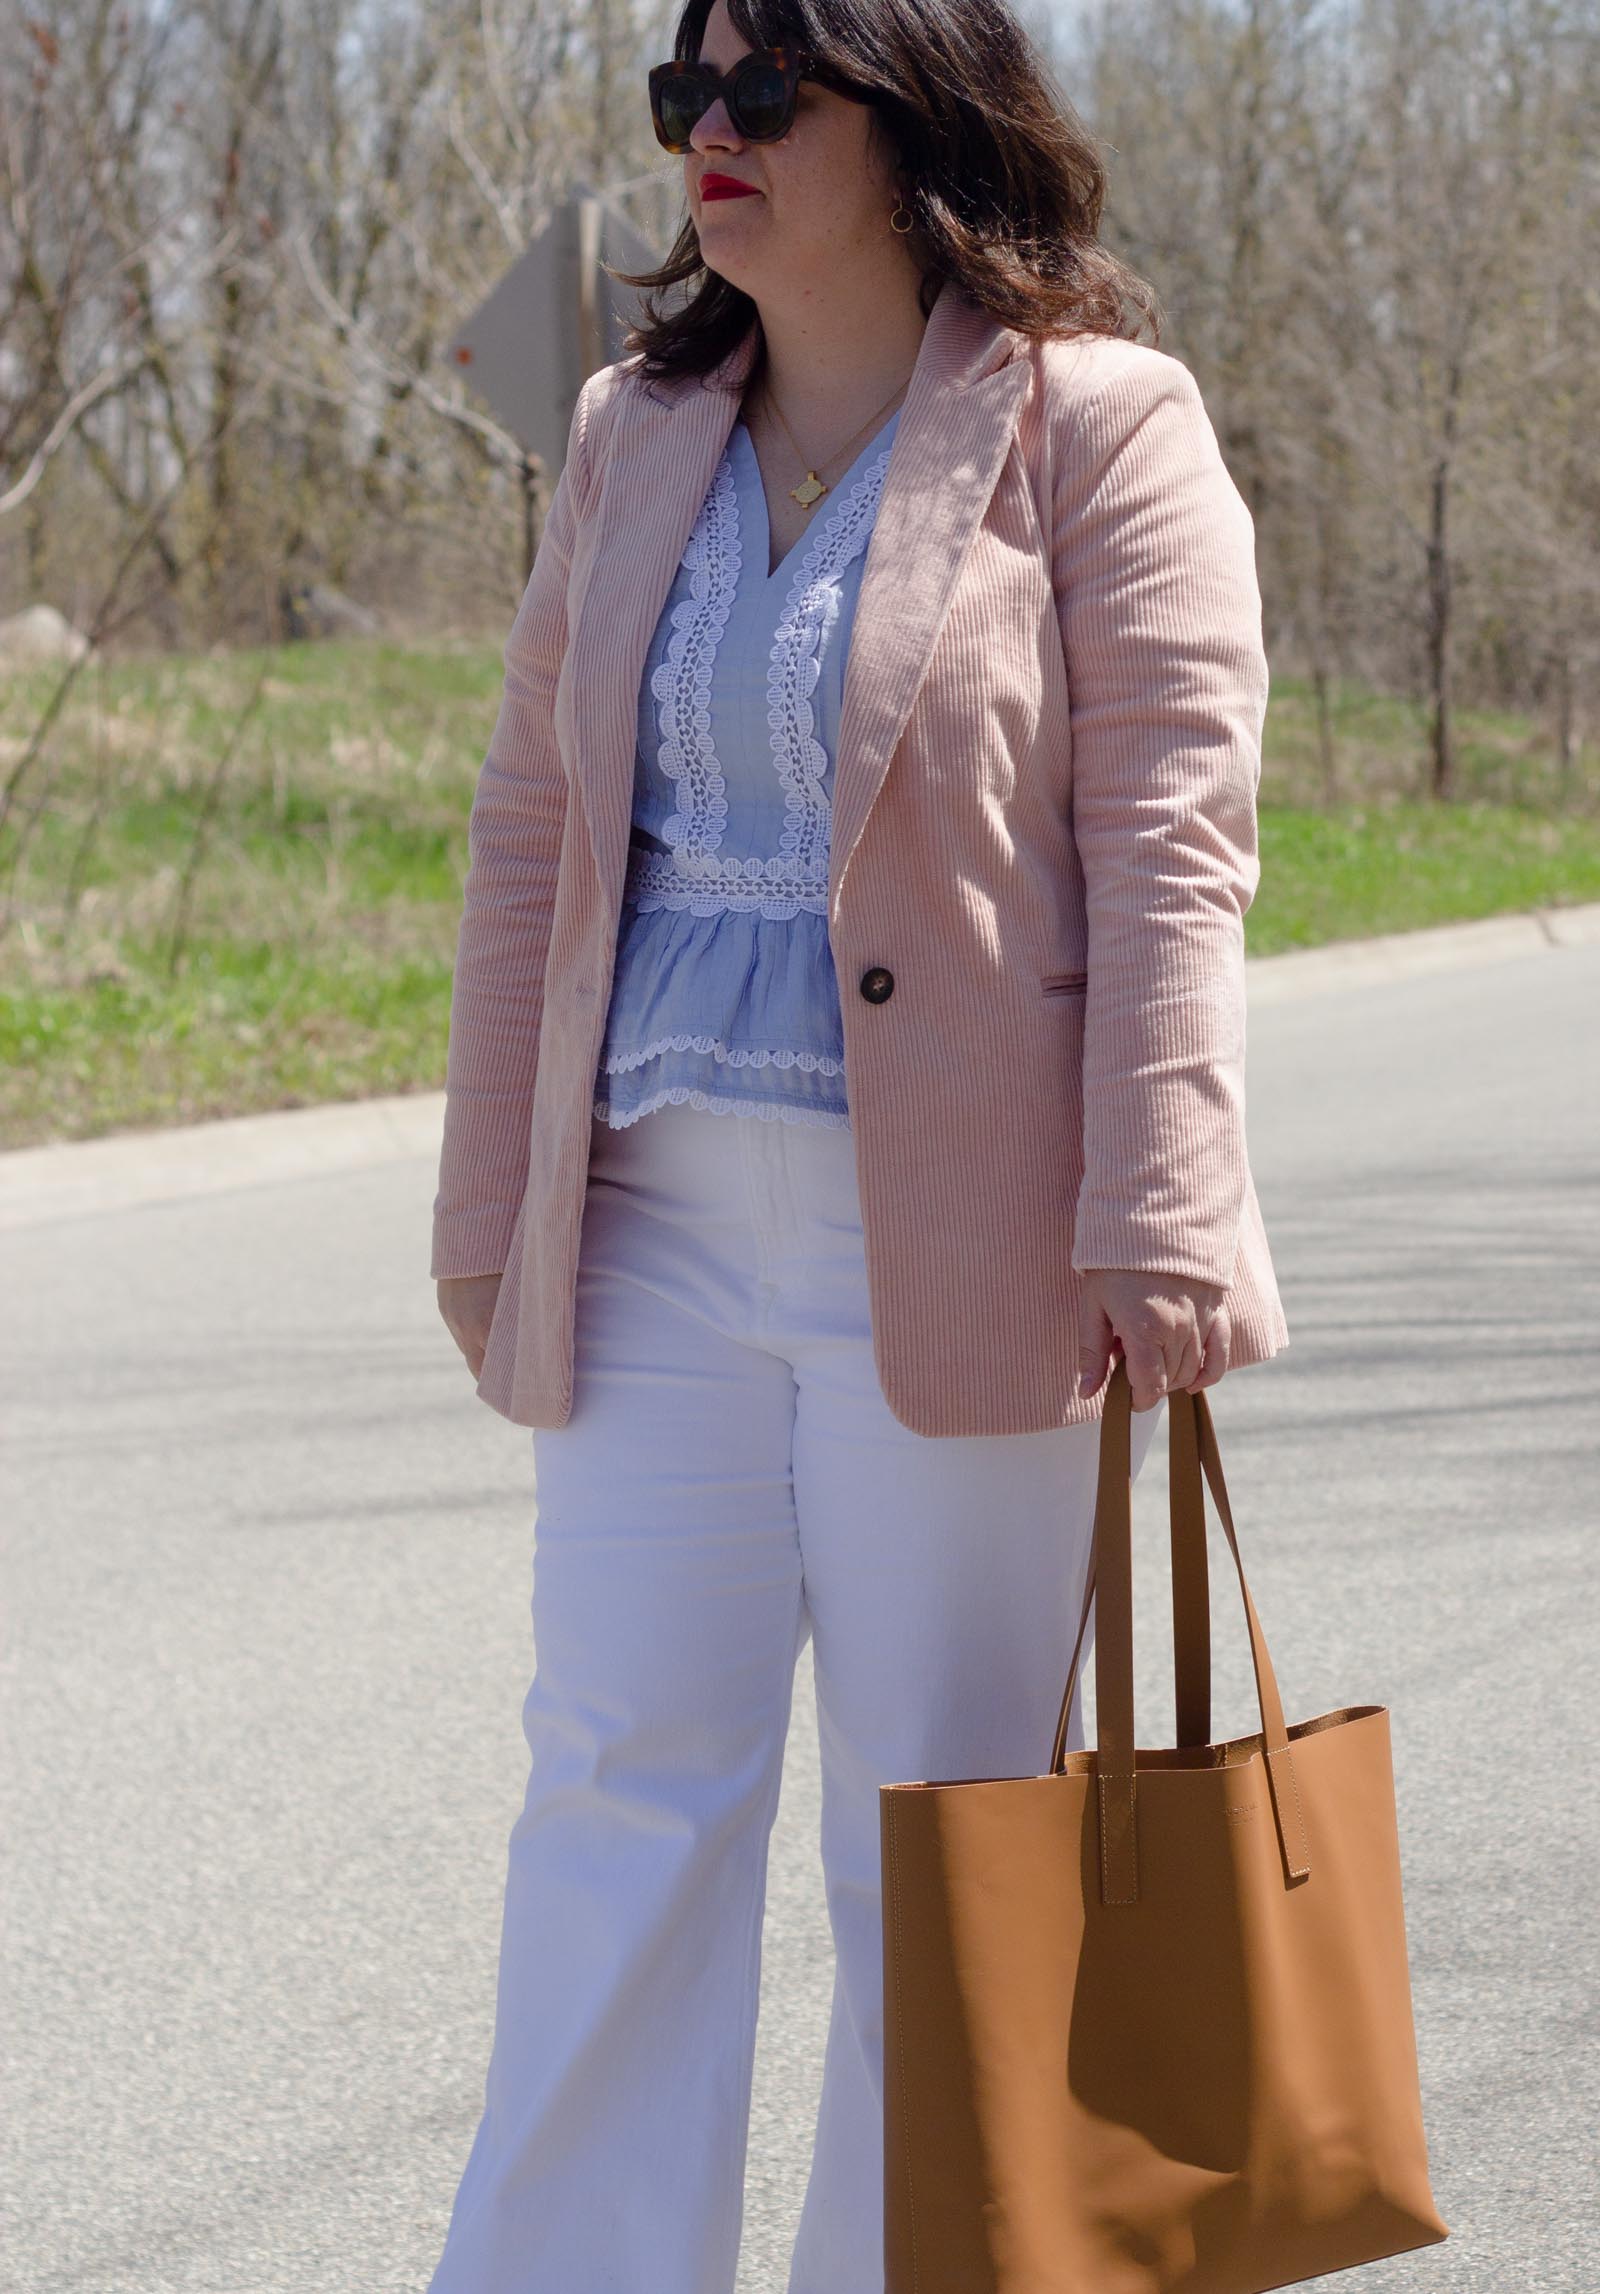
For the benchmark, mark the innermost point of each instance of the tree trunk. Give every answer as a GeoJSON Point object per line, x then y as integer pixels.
{"type": "Point", "coordinates": [1442, 729]}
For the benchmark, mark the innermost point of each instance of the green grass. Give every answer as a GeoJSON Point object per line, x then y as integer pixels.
{"type": "Point", "coordinates": [1386, 859]}
{"type": "Point", "coordinates": [312, 959]}
{"type": "Point", "coordinates": [317, 943]}
{"type": "Point", "coordinates": [1396, 867]}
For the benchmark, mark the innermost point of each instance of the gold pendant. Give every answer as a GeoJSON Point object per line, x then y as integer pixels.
{"type": "Point", "coordinates": [810, 489]}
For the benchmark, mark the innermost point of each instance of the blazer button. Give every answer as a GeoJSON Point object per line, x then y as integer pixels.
{"type": "Point", "coordinates": [877, 984]}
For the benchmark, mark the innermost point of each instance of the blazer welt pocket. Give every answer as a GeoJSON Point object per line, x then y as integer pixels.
{"type": "Point", "coordinates": [1064, 983]}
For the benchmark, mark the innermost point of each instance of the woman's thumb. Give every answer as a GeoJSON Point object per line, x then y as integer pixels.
{"type": "Point", "coordinates": [1094, 1347]}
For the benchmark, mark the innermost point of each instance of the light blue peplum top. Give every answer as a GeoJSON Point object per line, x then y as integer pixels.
{"type": "Point", "coordinates": [723, 992]}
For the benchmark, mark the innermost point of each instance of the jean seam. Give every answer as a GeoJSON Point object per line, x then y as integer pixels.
{"type": "Point", "coordinates": [750, 2002]}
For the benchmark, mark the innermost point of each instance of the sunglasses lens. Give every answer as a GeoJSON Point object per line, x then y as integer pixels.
{"type": "Point", "coordinates": [680, 102]}
{"type": "Point", "coordinates": [761, 101]}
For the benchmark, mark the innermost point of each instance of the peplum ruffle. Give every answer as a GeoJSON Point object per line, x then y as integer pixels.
{"type": "Point", "coordinates": [774, 977]}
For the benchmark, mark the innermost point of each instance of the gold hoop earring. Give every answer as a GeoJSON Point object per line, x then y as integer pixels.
{"type": "Point", "coordinates": [895, 225]}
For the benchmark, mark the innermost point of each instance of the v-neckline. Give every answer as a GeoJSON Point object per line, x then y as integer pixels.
{"type": "Point", "coordinates": [786, 564]}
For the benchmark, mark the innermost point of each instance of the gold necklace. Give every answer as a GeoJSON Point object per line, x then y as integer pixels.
{"type": "Point", "coordinates": [812, 488]}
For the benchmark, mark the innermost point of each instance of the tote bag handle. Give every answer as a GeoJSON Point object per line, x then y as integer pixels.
{"type": "Point", "coordinates": [1193, 1452]}
{"type": "Point", "coordinates": [1191, 1594]}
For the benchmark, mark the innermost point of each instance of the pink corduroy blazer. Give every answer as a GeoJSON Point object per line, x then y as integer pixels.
{"type": "Point", "coordinates": [1043, 828]}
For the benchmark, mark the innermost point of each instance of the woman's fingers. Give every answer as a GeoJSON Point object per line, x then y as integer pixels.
{"type": "Point", "coordinates": [1215, 1358]}
{"type": "Point", "coordinates": [1172, 1332]}
{"type": "Point", "coordinates": [1148, 1375]}
{"type": "Point", "coordinates": [1095, 1339]}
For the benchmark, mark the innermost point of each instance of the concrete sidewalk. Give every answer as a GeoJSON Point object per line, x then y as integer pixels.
{"type": "Point", "coordinates": [128, 1167]}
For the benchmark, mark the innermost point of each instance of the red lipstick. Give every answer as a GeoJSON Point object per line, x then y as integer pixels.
{"type": "Point", "coordinates": [713, 186]}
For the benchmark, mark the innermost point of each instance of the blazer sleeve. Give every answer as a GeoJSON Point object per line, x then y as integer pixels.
{"type": "Point", "coordinates": [1155, 580]}
{"type": "Point", "coordinates": [514, 835]}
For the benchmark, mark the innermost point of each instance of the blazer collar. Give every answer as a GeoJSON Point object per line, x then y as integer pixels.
{"type": "Point", "coordinates": [955, 429]}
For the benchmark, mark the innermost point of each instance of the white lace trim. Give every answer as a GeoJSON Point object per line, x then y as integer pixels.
{"type": "Point", "coordinates": [812, 1062]}
{"type": "Point", "coordinates": [681, 1096]}
{"type": "Point", "coordinates": [653, 882]}
{"type": "Point", "coordinates": [693, 875]}
{"type": "Point", "coordinates": [795, 664]}
{"type": "Point", "coordinates": [682, 681]}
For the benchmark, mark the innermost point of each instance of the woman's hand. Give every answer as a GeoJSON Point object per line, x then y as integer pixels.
{"type": "Point", "coordinates": [1172, 1330]}
{"type": "Point", "coordinates": [467, 1303]}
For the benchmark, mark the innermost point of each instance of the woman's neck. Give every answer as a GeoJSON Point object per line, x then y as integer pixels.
{"type": "Point", "coordinates": [836, 355]}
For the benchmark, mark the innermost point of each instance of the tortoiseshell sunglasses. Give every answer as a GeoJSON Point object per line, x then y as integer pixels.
{"type": "Point", "coordinates": [760, 91]}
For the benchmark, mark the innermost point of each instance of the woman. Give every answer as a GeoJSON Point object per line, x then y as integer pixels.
{"type": "Point", "coordinates": [844, 1069]}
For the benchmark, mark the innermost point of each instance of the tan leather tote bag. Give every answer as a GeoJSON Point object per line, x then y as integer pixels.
{"type": "Point", "coordinates": [1148, 2017]}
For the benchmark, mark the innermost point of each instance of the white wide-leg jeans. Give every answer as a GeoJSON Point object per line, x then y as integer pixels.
{"type": "Point", "coordinates": [730, 1482]}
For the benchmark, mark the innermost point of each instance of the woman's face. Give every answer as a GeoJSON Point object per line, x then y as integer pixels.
{"type": "Point", "coordinates": [816, 200]}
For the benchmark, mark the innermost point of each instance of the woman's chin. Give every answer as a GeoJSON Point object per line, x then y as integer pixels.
{"type": "Point", "coordinates": [728, 219]}
{"type": "Point", "coordinates": [731, 255]}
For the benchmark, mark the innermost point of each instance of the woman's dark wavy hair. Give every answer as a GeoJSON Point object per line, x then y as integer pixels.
{"type": "Point", "coordinates": [1004, 182]}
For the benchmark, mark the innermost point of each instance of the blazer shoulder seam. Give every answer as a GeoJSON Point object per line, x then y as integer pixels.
{"type": "Point", "coordinates": [1088, 396]}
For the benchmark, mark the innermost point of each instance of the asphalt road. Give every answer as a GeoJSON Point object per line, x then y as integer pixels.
{"type": "Point", "coordinates": [268, 1565]}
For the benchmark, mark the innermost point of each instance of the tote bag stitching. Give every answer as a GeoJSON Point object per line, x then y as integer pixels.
{"type": "Point", "coordinates": [1105, 1846]}
{"type": "Point", "coordinates": [1303, 1840]}
{"type": "Point", "coordinates": [905, 2084]}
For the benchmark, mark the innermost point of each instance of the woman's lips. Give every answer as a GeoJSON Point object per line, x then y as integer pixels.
{"type": "Point", "coordinates": [726, 187]}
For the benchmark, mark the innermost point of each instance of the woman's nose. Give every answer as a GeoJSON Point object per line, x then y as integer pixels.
{"type": "Point", "coordinates": [714, 130]}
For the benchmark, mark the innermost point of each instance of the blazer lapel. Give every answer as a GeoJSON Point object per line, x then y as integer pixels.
{"type": "Point", "coordinates": [659, 463]}
{"type": "Point", "coordinates": [956, 423]}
